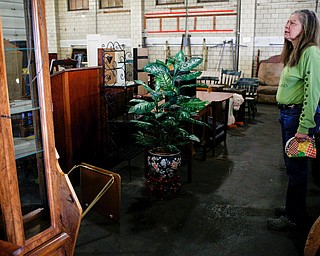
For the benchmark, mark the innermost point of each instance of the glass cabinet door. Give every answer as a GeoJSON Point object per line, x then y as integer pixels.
{"type": "Point", "coordinates": [25, 118]}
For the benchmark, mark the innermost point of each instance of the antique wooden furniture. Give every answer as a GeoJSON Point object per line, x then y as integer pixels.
{"type": "Point", "coordinates": [118, 89]}
{"type": "Point", "coordinates": [40, 213]}
{"type": "Point", "coordinates": [140, 59]}
{"type": "Point", "coordinates": [268, 73]}
{"type": "Point", "coordinates": [229, 77]}
{"type": "Point", "coordinates": [219, 117]}
{"type": "Point", "coordinates": [78, 122]}
{"type": "Point", "coordinates": [250, 85]}
{"type": "Point", "coordinates": [208, 80]}
{"type": "Point", "coordinates": [64, 63]}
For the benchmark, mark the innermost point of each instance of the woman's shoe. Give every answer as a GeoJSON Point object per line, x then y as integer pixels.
{"type": "Point", "coordinates": [281, 223]}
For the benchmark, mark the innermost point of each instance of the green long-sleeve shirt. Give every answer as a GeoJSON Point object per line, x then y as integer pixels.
{"type": "Point", "coordinates": [301, 85]}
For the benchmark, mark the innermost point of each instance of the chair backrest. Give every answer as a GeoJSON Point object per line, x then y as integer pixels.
{"type": "Point", "coordinates": [229, 77]}
{"type": "Point", "coordinates": [249, 84]}
{"type": "Point", "coordinates": [65, 63]}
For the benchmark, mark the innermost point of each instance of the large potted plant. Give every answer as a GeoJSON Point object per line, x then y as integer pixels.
{"type": "Point", "coordinates": [163, 121]}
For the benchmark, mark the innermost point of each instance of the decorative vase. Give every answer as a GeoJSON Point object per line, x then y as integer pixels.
{"type": "Point", "coordinates": [163, 165]}
{"type": "Point", "coordinates": [163, 174]}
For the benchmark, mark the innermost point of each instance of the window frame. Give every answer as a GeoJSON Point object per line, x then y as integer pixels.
{"type": "Point", "coordinates": [109, 7]}
{"type": "Point", "coordinates": [75, 2]}
{"type": "Point", "coordinates": [180, 2]}
{"type": "Point", "coordinates": [211, 1]}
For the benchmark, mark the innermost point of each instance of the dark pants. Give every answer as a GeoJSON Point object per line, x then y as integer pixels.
{"type": "Point", "coordinates": [296, 168]}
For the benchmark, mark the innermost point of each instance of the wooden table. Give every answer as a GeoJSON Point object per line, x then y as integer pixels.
{"type": "Point", "coordinates": [214, 96]}
{"type": "Point", "coordinates": [216, 99]}
{"type": "Point", "coordinates": [239, 114]}
{"type": "Point", "coordinates": [211, 87]}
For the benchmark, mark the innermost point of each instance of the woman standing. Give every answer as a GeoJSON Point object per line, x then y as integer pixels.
{"type": "Point", "coordinates": [298, 100]}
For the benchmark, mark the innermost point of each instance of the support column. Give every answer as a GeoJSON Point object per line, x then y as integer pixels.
{"type": "Point", "coordinates": [137, 21]}
{"type": "Point", "coordinates": [53, 31]}
{"type": "Point", "coordinates": [247, 34]}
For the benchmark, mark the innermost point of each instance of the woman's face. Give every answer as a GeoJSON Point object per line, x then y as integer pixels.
{"type": "Point", "coordinates": [293, 28]}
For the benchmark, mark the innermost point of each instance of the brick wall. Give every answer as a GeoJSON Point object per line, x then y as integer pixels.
{"type": "Point", "coordinates": [261, 28]}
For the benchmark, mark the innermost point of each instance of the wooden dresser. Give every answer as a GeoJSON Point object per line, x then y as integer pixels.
{"type": "Point", "coordinates": [78, 116]}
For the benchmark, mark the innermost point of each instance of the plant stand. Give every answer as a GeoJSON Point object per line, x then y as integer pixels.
{"type": "Point", "coordinates": [163, 186]}
{"type": "Point", "coordinates": [162, 176]}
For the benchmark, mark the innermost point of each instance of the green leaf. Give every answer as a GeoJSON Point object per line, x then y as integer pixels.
{"type": "Point", "coordinates": [191, 104]}
{"type": "Point", "coordinates": [183, 115]}
{"type": "Point", "coordinates": [147, 87]}
{"type": "Point", "coordinates": [141, 124]}
{"type": "Point", "coordinates": [137, 101]}
{"type": "Point", "coordinates": [142, 108]}
{"type": "Point", "coordinates": [157, 68]}
{"type": "Point", "coordinates": [198, 122]}
{"type": "Point", "coordinates": [180, 57]}
{"type": "Point", "coordinates": [139, 82]}
{"type": "Point", "coordinates": [164, 82]}
{"type": "Point", "coordinates": [188, 137]}
{"type": "Point", "coordinates": [171, 148]}
{"type": "Point", "coordinates": [194, 138]}
{"type": "Point", "coordinates": [194, 85]}
{"type": "Point", "coordinates": [145, 139]}
{"type": "Point", "coordinates": [156, 96]}
{"type": "Point", "coordinates": [191, 64]}
{"type": "Point", "coordinates": [164, 124]}
{"type": "Point", "coordinates": [189, 76]}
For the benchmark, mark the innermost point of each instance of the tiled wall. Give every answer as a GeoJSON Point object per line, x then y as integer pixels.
{"type": "Point", "coordinates": [261, 28]}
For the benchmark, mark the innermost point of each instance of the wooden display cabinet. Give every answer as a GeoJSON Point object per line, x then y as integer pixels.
{"type": "Point", "coordinates": [40, 213]}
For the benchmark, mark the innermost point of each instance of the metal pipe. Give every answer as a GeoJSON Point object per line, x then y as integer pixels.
{"type": "Point", "coordinates": [156, 14]}
{"type": "Point", "coordinates": [237, 43]}
{"type": "Point", "coordinates": [96, 16]}
{"type": "Point", "coordinates": [185, 43]}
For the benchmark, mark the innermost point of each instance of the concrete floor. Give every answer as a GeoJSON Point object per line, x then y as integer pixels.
{"type": "Point", "coordinates": [222, 212]}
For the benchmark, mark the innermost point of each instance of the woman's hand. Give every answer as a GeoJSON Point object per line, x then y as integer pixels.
{"type": "Point", "coordinates": [301, 137]}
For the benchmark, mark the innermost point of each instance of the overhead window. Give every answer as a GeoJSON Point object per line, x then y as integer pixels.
{"type": "Point", "coordinates": [170, 1]}
{"type": "Point", "coordinates": [207, 1]}
{"type": "Point", "coordinates": [75, 5]}
{"type": "Point", "coordinates": [111, 3]}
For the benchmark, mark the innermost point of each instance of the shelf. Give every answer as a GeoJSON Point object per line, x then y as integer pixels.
{"type": "Point", "coordinates": [21, 106]}
{"type": "Point", "coordinates": [12, 49]}
{"type": "Point", "coordinates": [24, 147]}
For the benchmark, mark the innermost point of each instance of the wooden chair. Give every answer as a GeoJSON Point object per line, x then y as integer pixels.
{"type": "Point", "coordinates": [208, 79]}
{"type": "Point", "coordinates": [65, 63]}
{"type": "Point", "coordinates": [229, 77]}
{"type": "Point", "coordinates": [251, 86]}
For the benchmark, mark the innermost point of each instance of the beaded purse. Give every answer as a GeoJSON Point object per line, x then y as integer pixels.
{"type": "Point", "coordinates": [307, 148]}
